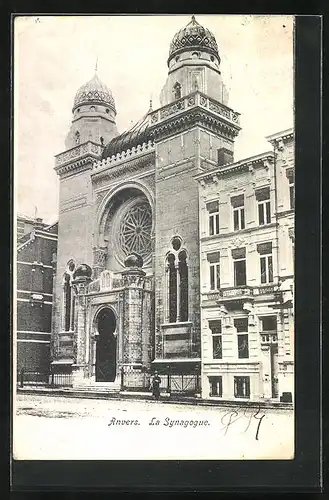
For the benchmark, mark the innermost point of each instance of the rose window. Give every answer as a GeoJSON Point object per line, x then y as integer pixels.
{"type": "Point", "coordinates": [135, 230]}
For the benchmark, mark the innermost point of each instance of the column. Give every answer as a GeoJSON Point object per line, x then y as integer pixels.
{"type": "Point", "coordinates": [80, 287]}
{"type": "Point", "coordinates": [100, 255]}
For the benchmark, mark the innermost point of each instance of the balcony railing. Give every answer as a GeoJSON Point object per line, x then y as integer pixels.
{"type": "Point", "coordinates": [89, 148]}
{"type": "Point", "coordinates": [241, 292]}
{"type": "Point", "coordinates": [191, 100]}
{"type": "Point", "coordinates": [269, 337]}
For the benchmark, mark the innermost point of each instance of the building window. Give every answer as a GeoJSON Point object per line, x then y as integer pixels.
{"type": "Point", "coordinates": [177, 90]}
{"type": "Point", "coordinates": [213, 217]}
{"type": "Point", "coordinates": [269, 323]}
{"type": "Point", "coordinates": [183, 278]}
{"type": "Point", "coordinates": [237, 203]}
{"type": "Point", "coordinates": [77, 137]}
{"type": "Point", "coordinates": [291, 180]}
{"type": "Point", "coordinates": [216, 334]}
{"type": "Point", "coordinates": [216, 386]}
{"type": "Point", "coordinates": [241, 325]}
{"type": "Point", "coordinates": [172, 289]}
{"type": "Point", "coordinates": [177, 287]}
{"type": "Point", "coordinates": [264, 206]}
{"type": "Point", "coordinates": [241, 387]}
{"type": "Point", "coordinates": [239, 262]}
{"type": "Point", "coordinates": [68, 304]}
{"type": "Point", "coordinates": [214, 270]}
{"type": "Point", "coordinates": [266, 262]}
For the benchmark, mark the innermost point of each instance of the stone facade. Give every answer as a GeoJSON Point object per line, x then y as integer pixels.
{"type": "Point", "coordinates": [36, 261]}
{"type": "Point", "coordinates": [129, 212]}
{"type": "Point", "coordinates": [246, 259]}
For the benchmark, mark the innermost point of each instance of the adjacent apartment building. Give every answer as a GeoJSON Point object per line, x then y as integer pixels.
{"type": "Point", "coordinates": [246, 212]}
{"type": "Point", "coordinates": [36, 261]}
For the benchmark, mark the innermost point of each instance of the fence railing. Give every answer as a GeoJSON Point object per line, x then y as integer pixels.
{"type": "Point", "coordinates": [171, 383]}
{"type": "Point", "coordinates": [61, 380]}
{"type": "Point", "coordinates": [27, 377]}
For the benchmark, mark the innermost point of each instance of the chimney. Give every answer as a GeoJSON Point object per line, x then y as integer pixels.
{"type": "Point", "coordinates": [224, 157]}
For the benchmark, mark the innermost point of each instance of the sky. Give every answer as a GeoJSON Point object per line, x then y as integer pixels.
{"type": "Point", "coordinates": [55, 55]}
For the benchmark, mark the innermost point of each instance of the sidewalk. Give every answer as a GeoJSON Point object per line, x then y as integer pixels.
{"type": "Point", "coordinates": [147, 396]}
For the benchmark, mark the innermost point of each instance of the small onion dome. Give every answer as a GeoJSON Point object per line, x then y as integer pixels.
{"type": "Point", "coordinates": [193, 37]}
{"type": "Point", "coordinates": [94, 92]}
{"type": "Point", "coordinates": [135, 136]}
{"type": "Point", "coordinates": [134, 260]}
{"type": "Point", "coordinates": [82, 271]}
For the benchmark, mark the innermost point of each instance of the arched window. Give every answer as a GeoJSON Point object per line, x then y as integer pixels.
{"type": "Point", "coordinates": [77, 137]}
{"type": "Point", "coordinates": [177, 90]}
{"type": "Point", "coordinates": [67, 302]}
{"type": "Point", "coordinates": [68, 299]}
{"type": "Point", "coordinates": [177, 286]}
{"type": "Point", "coordinates": [172, 288]}
{"type": "Point", "coordinates": [183, 289]}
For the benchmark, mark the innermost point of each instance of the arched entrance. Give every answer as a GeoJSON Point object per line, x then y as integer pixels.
{"type": "Point", "coordinates": [106, 347]}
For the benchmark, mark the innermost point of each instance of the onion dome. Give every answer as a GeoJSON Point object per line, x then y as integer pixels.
{"type": "Point", "coordinates": [134, 260]}
{"type": "Point", "coordinates": [133, 137]}
{"type": "Point", "coordinates": [83, 271]}
{"type": "Point", "coordinates": [193, 37]}
{"type": "Point", "coordinates": [94, 92]}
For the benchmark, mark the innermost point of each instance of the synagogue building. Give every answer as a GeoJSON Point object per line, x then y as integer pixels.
{"type": "Point", "coordinates": [172, 257]}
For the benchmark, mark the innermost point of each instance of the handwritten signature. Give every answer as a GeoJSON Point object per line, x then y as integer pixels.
{"type": "Point", "coordinates": [231, 417]}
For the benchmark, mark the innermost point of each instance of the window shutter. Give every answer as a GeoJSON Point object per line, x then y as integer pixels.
{"type": "Point", "coordinates": [237, 201]}
{"type": "Point", "coordinates": [239, 253]}
{"type": "Point", "coordinates": [212, 207]}
{"type": "Point", "coordinates": [262, 194]}
{"type": "Point", "coordinates": [213, 258]}
{"type": "Point", "coordinates": [264, 248]}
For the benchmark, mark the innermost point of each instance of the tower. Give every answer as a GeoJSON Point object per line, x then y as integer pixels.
{"type": "Point", "coordinates": [193, 131]}
{"type": "Point", "coordinates": [93, 125]}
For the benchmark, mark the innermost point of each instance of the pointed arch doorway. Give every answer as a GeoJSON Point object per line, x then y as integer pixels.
{"type": "Point", "coordinates": [106, 347]}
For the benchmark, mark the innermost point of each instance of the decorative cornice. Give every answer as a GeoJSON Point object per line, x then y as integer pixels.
{"type": "Point", "coordinates": [110, 168]}
{"type": "Point", "coordinates": [280, 137]}
{"type": "Point", "coordinates": [77, 157]}
{"type": "Point", "coordinates": [190, 118]}
{"type": "Point", "coordinates": [194, 109]}
{"type": "Point", "coordinates": [264, 160]}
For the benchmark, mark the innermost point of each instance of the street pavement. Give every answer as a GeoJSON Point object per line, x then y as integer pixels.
{"type": "Point", "coordinates": [62, 428]}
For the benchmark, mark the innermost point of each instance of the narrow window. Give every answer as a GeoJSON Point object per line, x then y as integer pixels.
{"type": "Point", "coordinates": [213, 217]}
{"type": "Point", "coordinates": [237, 203]}
{"type": "Point", "coordinates": [239, 263]}
{"type": "Point", "coordinates": [214, 270]}
{"type": "Point", "coordinates": [77, 137]}
{"type": "Point", "coordinates": [241, 387]}
{"type": "Point", "coordinates": [67, 302]}
{"type": "Point", "coordinates": [216, 386]}
{"type": "Point", "coordinates": [172, 289]}
{"type": "Point", "coordinates": [266, 262]}
{"type": "Point", "coordinates": [216, 334]}
{"type": "Point", "coordinates": [183, 278]}
{"type": "Point", "coordinates": [177, 91]}
{"type": "Point", "coordinates": [241, 325]}
{"type": "Point", "coordinates": [291, 180]}
{"type": "Point", "coordinates": [264, 206]}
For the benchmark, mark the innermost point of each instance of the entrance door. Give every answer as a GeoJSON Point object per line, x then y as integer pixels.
{"type": "Point", "coordinates": [274, 371]}
{"type": "Point", "coordinates": [106, 347]}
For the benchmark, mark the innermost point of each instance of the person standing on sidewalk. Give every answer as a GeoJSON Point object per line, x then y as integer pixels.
{"type": "Point", "coordinates": [155, 385]}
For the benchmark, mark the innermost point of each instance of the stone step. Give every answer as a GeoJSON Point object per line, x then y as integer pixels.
{"type": "Point", "coordinates": [95, 388]}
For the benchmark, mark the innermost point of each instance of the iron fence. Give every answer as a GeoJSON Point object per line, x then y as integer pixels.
{"type": "Point", "coordinates": [61, 380]}
{"type": "Point", "coordinates": [28, 377]}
